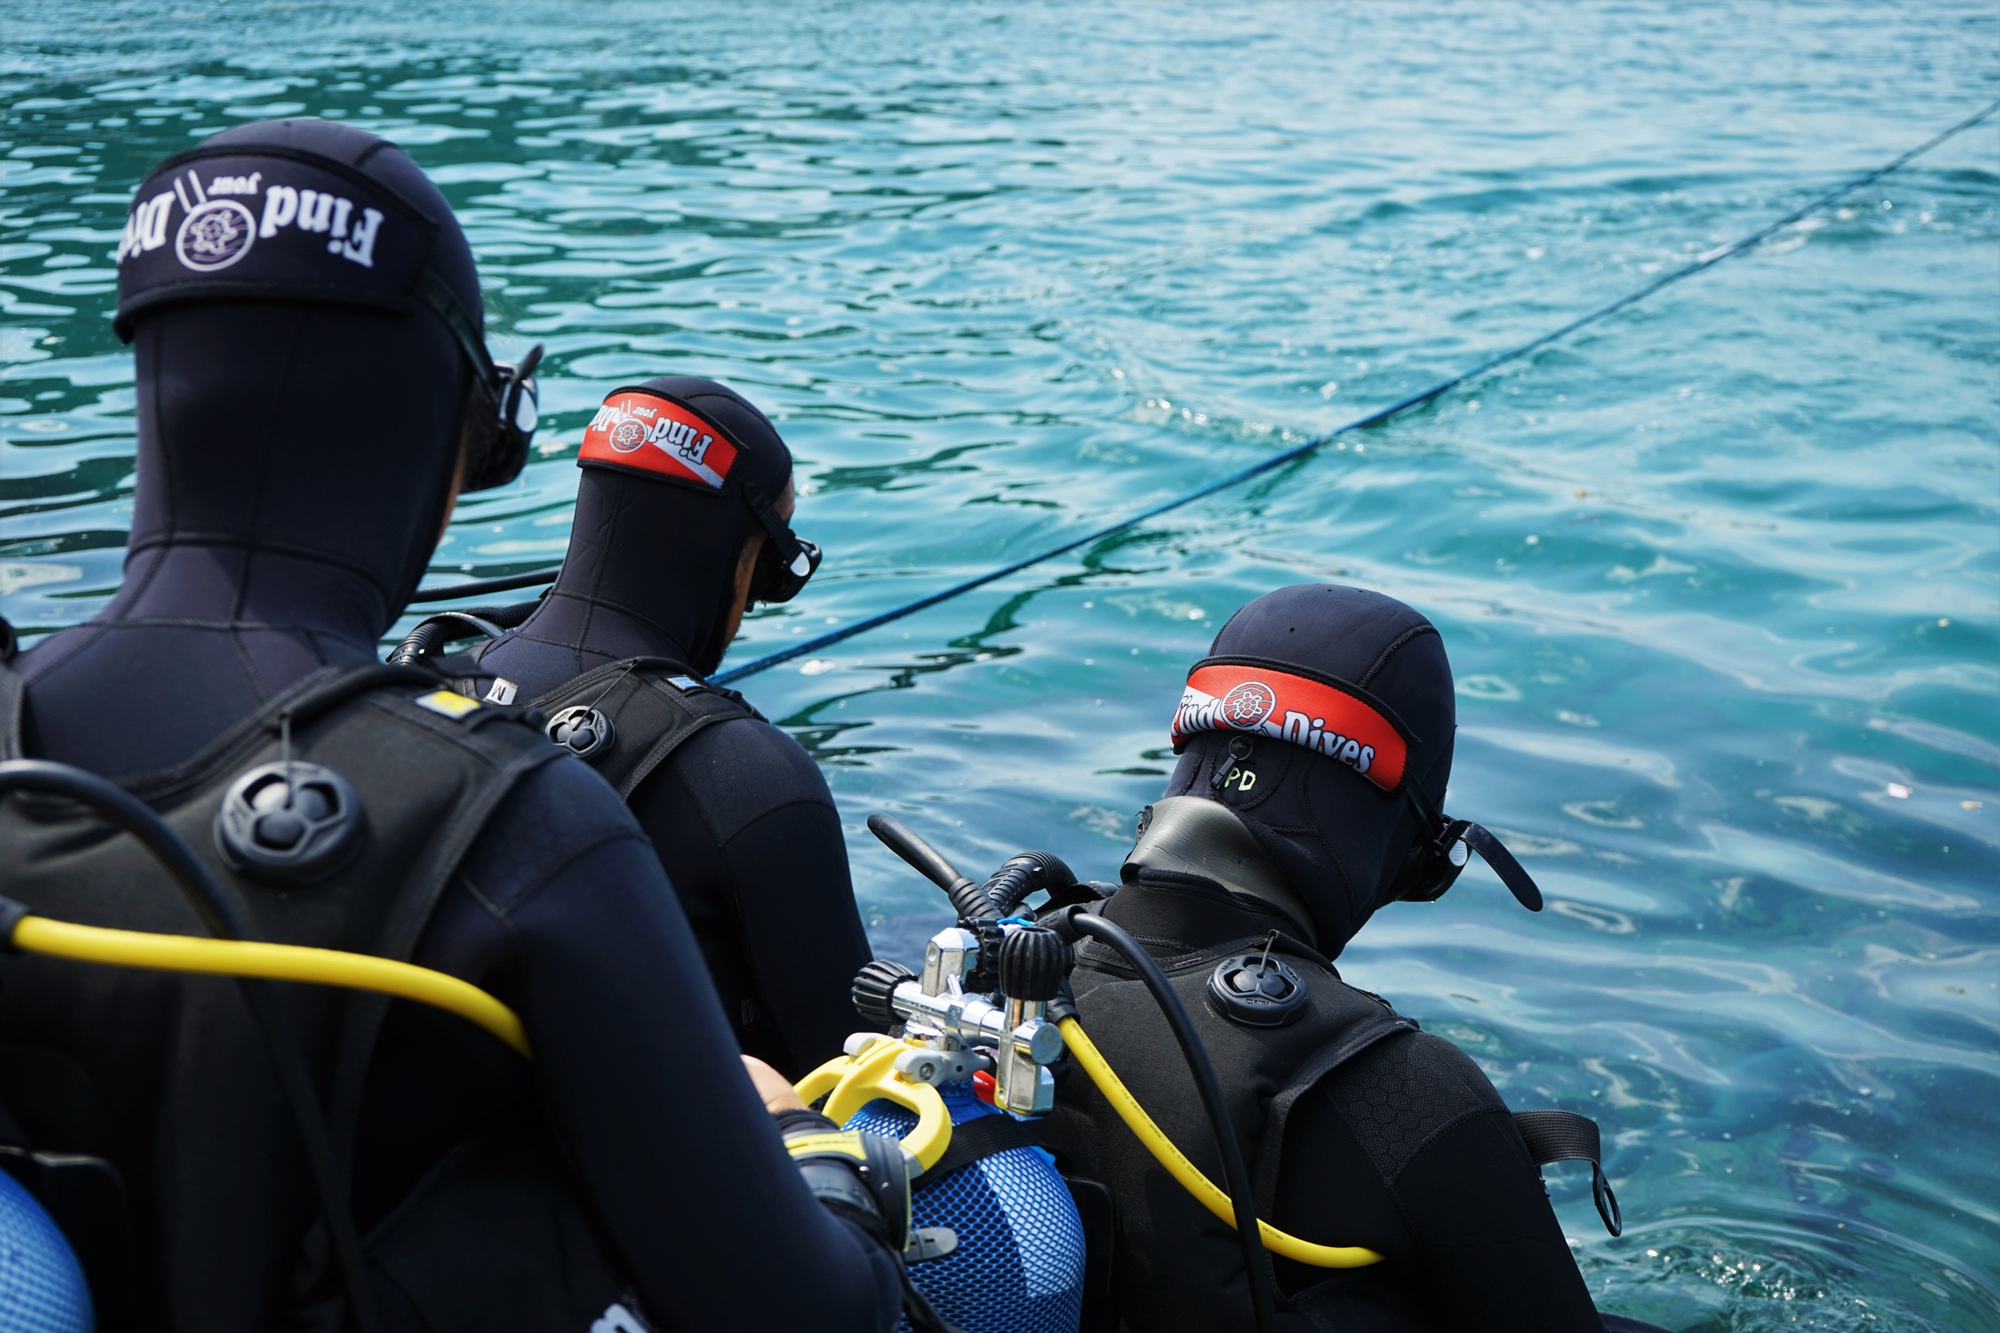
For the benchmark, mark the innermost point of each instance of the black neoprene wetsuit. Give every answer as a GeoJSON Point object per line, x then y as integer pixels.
{"type": "Point", "coordinates": [561, 909]}
{"type": "Point", "coordinates": [253, 564]}
{"type": "Point", "coordinates": [740, 815]}
{"type": "Point", "coordinates": [744, 824]}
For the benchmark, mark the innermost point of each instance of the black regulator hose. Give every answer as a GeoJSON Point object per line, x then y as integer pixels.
{"type": "Point", "coordinates": [434, 632]}
{"type": "Point", "coordinates": [1076, 921]}
{"type": "Point", "coordinates": [1025, 875]}
{"type": "Point", "coordinates": [971, 902]}
{"type": "Point", "coordinates": [266, 1006]}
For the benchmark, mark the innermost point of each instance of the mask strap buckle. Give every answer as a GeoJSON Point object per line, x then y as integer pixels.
{"type": "Point", "coordinates": [1448, 850]}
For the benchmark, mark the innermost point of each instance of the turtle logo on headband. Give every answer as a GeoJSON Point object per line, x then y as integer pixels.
{"type": "Point", "coordinates": [627, 435]}
{"type": "Point", "coordinates": [215, 235]}
{"type": "Point", "coordinates": [1248, 704]}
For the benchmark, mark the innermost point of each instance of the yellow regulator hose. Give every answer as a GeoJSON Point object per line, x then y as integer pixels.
{"type": "Point", "coordinates": [1181, 1169]}
{"type": "Point", "coordinates": [278, 962]}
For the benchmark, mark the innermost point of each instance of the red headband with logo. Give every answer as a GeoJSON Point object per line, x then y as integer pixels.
{"type": "Point", "coordinates": [1324, 715]}
{"type": "Point", "coordinates": [647, 431]}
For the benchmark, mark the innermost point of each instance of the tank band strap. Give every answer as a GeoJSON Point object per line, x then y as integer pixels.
{"type": "Point", "coordinates": [980, 1137]}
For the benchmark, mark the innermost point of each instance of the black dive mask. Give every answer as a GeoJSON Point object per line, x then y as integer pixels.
{"type": "Point", "coordinates": [506, 399]}
{"type": "Point", "coordinates": [787, 560]}
{"type": "Point", "coordinates": [1442, 854]}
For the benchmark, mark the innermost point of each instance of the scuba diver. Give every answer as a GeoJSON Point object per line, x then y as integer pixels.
{"type": "Point", "coordinates": [682, 523]}
{"type": "Point", "coordinates": [313, 393]}
{"type": "Point", "coordinates": [1315, 749]}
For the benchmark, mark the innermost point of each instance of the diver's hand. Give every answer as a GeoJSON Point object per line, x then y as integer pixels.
{"type": "Point", "coordinates": [771, 1086]}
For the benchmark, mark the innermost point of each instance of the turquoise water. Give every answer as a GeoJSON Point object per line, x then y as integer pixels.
{"type": "Point", "coordinates": [1720, 578]}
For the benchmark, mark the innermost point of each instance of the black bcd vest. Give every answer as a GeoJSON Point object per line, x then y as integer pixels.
{"type": "Point", "coordinates": [164, 1076]}
{"type": "Point", "coordinates": [646, 708]}
{"type": "Point", "coordinates": [627, 719]}
{"type": "Point", "coordinates": [1176, 1266]}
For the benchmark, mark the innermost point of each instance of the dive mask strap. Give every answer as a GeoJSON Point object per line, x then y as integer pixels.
{"type": "Point", "coordinates": [503, 432]}
{"type": "Point", "coordinates": [1448, 849]}
{"type": "Point", "coordinates": [1494, 852]}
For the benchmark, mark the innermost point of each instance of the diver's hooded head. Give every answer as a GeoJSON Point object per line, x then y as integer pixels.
{"type": "Point", "coordinates": [300, 400]}
{"type": "Point", "coordinates": [661, 521]}
{"type": "Point", "coordinates": [1359, 693]}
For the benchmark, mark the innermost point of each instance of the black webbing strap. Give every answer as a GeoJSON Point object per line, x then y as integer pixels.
{"type": "Point", "coordinates": [1518, 881]}
{"type": "Point", "coordinates": [981, 1137]}
{"type": "Point", "coordinates": [1565, 1136]}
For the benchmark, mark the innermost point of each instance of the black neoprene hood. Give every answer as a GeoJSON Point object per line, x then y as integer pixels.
{"type": "Point", "coordinates": [291, 211]}
{"type": "Point", "coordinates": [298, 415]}
{"type": "Point", "coordinates": [1339, 838]}
{"type": "Point", "coordinates": [651, 568]}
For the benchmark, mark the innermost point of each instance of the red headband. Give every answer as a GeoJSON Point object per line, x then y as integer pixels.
{"type": "Point", "coordinates": [1327, 717]}
{"type": "Point", "coordinates": [640, 429]}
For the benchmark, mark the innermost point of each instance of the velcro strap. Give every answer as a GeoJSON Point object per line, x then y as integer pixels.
{"type": "Point", "coordinates": [1565, 1136]}
{"type": "Point", "coordinates": [834, 1143]}
{"type": "Point", "coordinates": [980, 1137]}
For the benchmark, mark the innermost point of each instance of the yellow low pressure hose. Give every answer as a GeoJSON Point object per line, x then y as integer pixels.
{"type": "Point", "coordinates": [1181, 1169]}
{"type": "Point", "coordinates": [277, 962]}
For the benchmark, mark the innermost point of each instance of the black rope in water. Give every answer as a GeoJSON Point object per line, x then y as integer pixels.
{"type": "Point", "coordinates": [1276, 461]}
{"type": "Point", "coordinates": [451, 592]}
{"type": "Point", "coordinates": [1376, 418]}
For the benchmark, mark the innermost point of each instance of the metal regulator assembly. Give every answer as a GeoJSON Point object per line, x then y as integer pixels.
{"type": "Point", "coordinates": [998, 1243]}
{"type": "Point", "coordinates": [980, 1005]}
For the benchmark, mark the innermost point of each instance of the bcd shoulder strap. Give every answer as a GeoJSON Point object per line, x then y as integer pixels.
{"type": "Point", "coordinates": [645, 709]}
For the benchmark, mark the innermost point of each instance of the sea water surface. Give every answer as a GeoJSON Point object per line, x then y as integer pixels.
{"type": "Point", "coordinates": [1720, 578]}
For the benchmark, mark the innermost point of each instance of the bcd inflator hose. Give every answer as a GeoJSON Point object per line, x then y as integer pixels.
{"type": "Point", "coordinates": [970, 900]}
{"type": "Point", "coordinates": [1092, 1061]}
{"type": "Point", "coordinates": [26, 933]}
{"type": "Point", "coordinates": [1242, 1213]}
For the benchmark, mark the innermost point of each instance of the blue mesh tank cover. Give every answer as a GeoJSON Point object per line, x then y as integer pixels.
{"type": "Point", "coordinates": [1018, 1267]}
{"type": "Point", "coordinates": [41, 1284]}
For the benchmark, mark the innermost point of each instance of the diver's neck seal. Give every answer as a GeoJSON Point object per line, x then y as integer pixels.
{"type": "Point", "coordinates": [1203, 837]}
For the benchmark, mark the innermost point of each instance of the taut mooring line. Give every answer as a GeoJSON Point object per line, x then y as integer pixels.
{"type": "Point", "coordinates": [1702, 264]}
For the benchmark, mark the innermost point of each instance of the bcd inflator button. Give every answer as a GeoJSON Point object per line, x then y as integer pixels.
{"type": "Point", "coordinates": [289, 824]}
{"type": "Point", "coordinates": [1257, 990]}
{"type": "Point", "coordinates": [585, 732]}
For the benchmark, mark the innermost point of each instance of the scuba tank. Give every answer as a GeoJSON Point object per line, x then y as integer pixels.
{"type": "Point", "coordinates": [1018, 1263]}
{"type": "Point", "coordinates": [41, 1284]}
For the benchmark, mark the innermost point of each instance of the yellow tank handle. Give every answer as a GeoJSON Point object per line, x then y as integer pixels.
{"type": "Point", "coordinates": [1184, 1171]}
{"type": "Point", "coordinates": [278, 962]}
{"type": "Point", "coordinates": [851, 1082]}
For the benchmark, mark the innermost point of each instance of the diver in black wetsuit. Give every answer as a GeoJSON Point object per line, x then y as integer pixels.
{"type": "Point", "coordinates": [681, 522]}
{"type": "Point", "coordinates": [311, 397]}
{"type": "Point", "coordinates": [1316, 746]}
